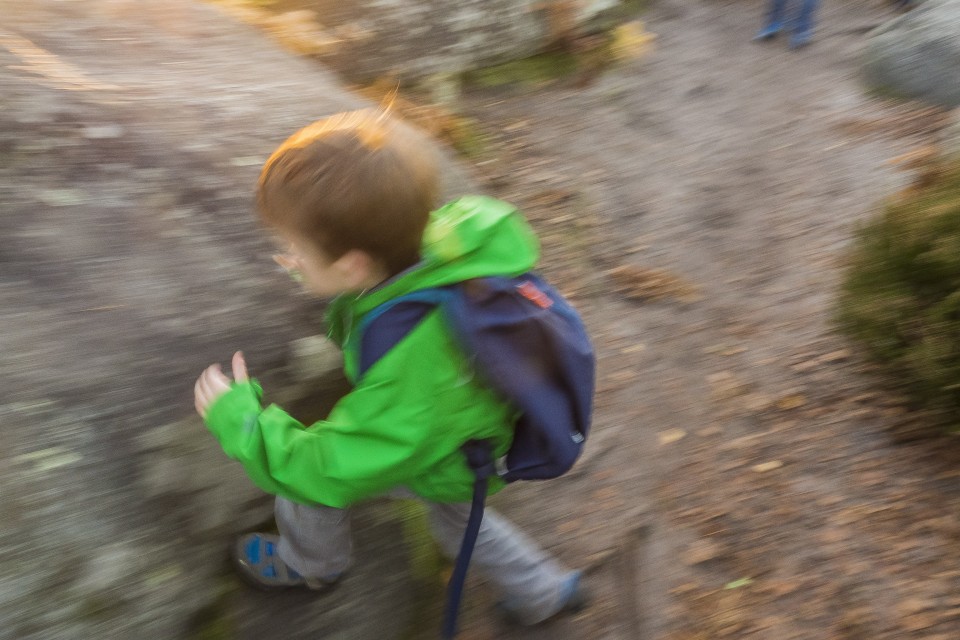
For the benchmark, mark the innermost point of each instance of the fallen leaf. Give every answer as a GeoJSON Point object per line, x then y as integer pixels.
{"type": "Point", "coordinates": [794, 401]}
{"type": "Point", "coordinates": [732, 351]}
{"type": "Point", "coordinates": [622, 376]}
{"type": "Point", "coordinates": [634, 348]}
{"type": "Point", "coordinates": [725, 385]}
{"type": "Point", "coordinates": [909, 606]}
{"type": "Point", "coordinates": [670, 436]}
{"type": "Point", "coordinates": [767, 466]}
{"type": "Point", "coordinates": [631, 40]}
{"type": "Point", "coordinates": [756, 402]}
{"type": "Point", "coordinates": [701, 551]}
{"type": "Point", "coordinates": [736, 584]}
{"type": "Point", "coordinates": [640, 283]}
{"type": "Point", "coordinates": [835, 356]}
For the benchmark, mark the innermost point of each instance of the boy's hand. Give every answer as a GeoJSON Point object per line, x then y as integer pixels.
{"type": "Point", "coordinates": [212, 383]}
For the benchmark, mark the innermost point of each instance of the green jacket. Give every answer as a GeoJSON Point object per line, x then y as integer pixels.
{"type": "Point", "coordinates": [404, 421]}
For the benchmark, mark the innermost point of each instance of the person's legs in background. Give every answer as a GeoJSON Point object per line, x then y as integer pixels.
{"type": "Point", "coordinates": [803, 26]}
{"type": "Point", "coordinates": [774, 23]}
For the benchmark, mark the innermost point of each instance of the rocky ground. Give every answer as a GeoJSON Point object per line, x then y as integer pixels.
{"type": "Point", "coordinates": [745, 478]}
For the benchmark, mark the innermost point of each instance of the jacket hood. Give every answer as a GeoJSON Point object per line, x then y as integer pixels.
{"type": "Point", "coordinates": [472, 237]}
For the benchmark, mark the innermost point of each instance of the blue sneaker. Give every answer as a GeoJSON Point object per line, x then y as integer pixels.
{"type": "Point", "coordinates": [255, 557]}
{"type": "Point", "coordinates": [769, 31]}
{"type": "Point", "coordinates": [573, 597]}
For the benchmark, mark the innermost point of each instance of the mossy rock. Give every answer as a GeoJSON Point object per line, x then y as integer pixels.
{"type": "Point", "coordinates": [531, 71]}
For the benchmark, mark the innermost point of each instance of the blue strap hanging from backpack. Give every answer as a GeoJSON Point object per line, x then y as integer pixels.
{"type": "Point", "coordinates": [529, 345]}
{"type": "Point", "coordinates": [479, 454]}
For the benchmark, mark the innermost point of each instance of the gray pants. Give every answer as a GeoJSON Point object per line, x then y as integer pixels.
{"type": "Point", "coordinates": [315, 541]}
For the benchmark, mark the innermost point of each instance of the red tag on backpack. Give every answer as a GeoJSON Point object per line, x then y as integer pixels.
{"type": "Point", "coordinates": [529, 291]}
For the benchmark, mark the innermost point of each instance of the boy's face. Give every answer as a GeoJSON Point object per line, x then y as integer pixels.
{"type": "Point", "coordinates": [320, 275]}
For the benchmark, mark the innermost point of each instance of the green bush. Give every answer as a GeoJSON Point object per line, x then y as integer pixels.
{"type": "Point", "coordinates": [901, 295]}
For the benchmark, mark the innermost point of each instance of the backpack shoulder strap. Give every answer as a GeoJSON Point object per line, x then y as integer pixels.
{"type": "Point", "coordinates": [388, 324]}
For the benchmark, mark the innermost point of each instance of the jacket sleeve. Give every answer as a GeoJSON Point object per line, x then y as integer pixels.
{"type": "Point", "coordinates": [379, 436]}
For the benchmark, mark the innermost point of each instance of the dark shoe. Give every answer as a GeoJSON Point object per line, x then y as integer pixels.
{"type": "Point", "coordinates": [255, 557]}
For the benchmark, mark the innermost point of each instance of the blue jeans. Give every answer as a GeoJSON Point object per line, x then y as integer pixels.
{"type": "Point", "coordinates": [803, 22]}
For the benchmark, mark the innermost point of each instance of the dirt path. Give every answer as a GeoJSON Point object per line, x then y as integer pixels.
{"type": "Point", "coordinates": [695, 205]}
{"type": "Point", "coordinates": [727, 176]}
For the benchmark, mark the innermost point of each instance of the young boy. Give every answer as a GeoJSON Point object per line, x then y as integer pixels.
{"type": "Point", "coordinates": [352, 196]}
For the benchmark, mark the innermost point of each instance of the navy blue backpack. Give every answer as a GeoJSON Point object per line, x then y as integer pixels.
{"type": "Point", "coordinates": [530, 346]}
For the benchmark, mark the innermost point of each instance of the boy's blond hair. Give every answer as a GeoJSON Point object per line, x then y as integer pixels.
{"type": "Point", "coordinates": [356, 180]}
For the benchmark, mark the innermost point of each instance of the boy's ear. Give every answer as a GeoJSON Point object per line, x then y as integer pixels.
{"type": "Point", "coordinates": [358, 268]}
